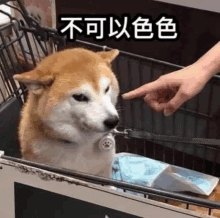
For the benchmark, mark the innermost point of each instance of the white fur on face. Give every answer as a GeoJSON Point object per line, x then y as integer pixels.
{"type": "Point", "coordinates": [89, 116]}
{"type": "Point", "coordinates": [109, 98]}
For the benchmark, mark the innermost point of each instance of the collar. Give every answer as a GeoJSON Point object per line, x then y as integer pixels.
{"type": "Point", "coordinates": [69, 142]}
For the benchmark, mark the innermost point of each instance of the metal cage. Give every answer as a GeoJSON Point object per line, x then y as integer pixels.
{"type": "Point", "coordinates": [189, 138]}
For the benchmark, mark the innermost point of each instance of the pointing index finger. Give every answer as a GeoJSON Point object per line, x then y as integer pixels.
{"type": "Point", "coordinates": [143, 90]}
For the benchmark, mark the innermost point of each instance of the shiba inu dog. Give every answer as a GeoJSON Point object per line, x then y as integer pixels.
{"type": "Point", "coordinates": [70, 107]}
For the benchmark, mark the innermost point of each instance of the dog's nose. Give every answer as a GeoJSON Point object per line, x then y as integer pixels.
{"type": "Point", "coordinates": [111, 122]}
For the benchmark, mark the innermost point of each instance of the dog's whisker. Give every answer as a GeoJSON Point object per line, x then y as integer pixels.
{"type": "Point", "coordinates": [120, 109]}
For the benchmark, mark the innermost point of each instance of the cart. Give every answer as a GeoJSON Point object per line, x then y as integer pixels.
{"type": "Point", "coordinates": [189, 138]}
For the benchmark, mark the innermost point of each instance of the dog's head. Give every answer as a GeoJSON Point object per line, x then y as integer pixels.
{"type": "Point", "coordinates": [75, 88]}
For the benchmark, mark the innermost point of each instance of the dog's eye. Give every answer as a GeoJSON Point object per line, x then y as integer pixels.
{"type": "Point", "coordinates": [80, 97]}
{"type": "Point", "coordinates": [107, 89]}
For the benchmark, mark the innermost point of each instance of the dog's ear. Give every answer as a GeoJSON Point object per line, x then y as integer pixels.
{"type": "Point", "coordinates": [35, 80]}
{"type": "Point", "coordinates": [109, 56]}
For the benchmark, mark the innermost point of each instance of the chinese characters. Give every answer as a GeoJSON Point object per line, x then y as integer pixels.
{"type": "Point", "coordinates": [112, 27]}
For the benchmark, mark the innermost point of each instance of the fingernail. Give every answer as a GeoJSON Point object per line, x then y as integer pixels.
{"type": "Point", "coordinates": [167, 113]}
{"type": "Point", "coordinates": [123, 96]}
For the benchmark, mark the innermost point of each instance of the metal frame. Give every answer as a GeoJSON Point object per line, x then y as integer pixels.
{"type": "Point", "coordinates": [110, 203]}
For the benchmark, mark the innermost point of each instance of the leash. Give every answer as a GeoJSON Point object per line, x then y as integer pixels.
{"type": "Point", "coordinates": [107, 142]}
{"type": "Point", "coordinates": [128, 133]}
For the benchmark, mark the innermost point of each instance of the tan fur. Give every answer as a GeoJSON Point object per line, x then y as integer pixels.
{"type": "Point", "coordinates": [50, 86]}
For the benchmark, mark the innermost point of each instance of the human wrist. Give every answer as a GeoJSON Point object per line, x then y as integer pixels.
{"type": "Point", "coordinates": [207, 71]}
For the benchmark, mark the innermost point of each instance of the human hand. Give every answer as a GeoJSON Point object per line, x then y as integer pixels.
{"type": "Point", "coordinates": [170, 91]}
